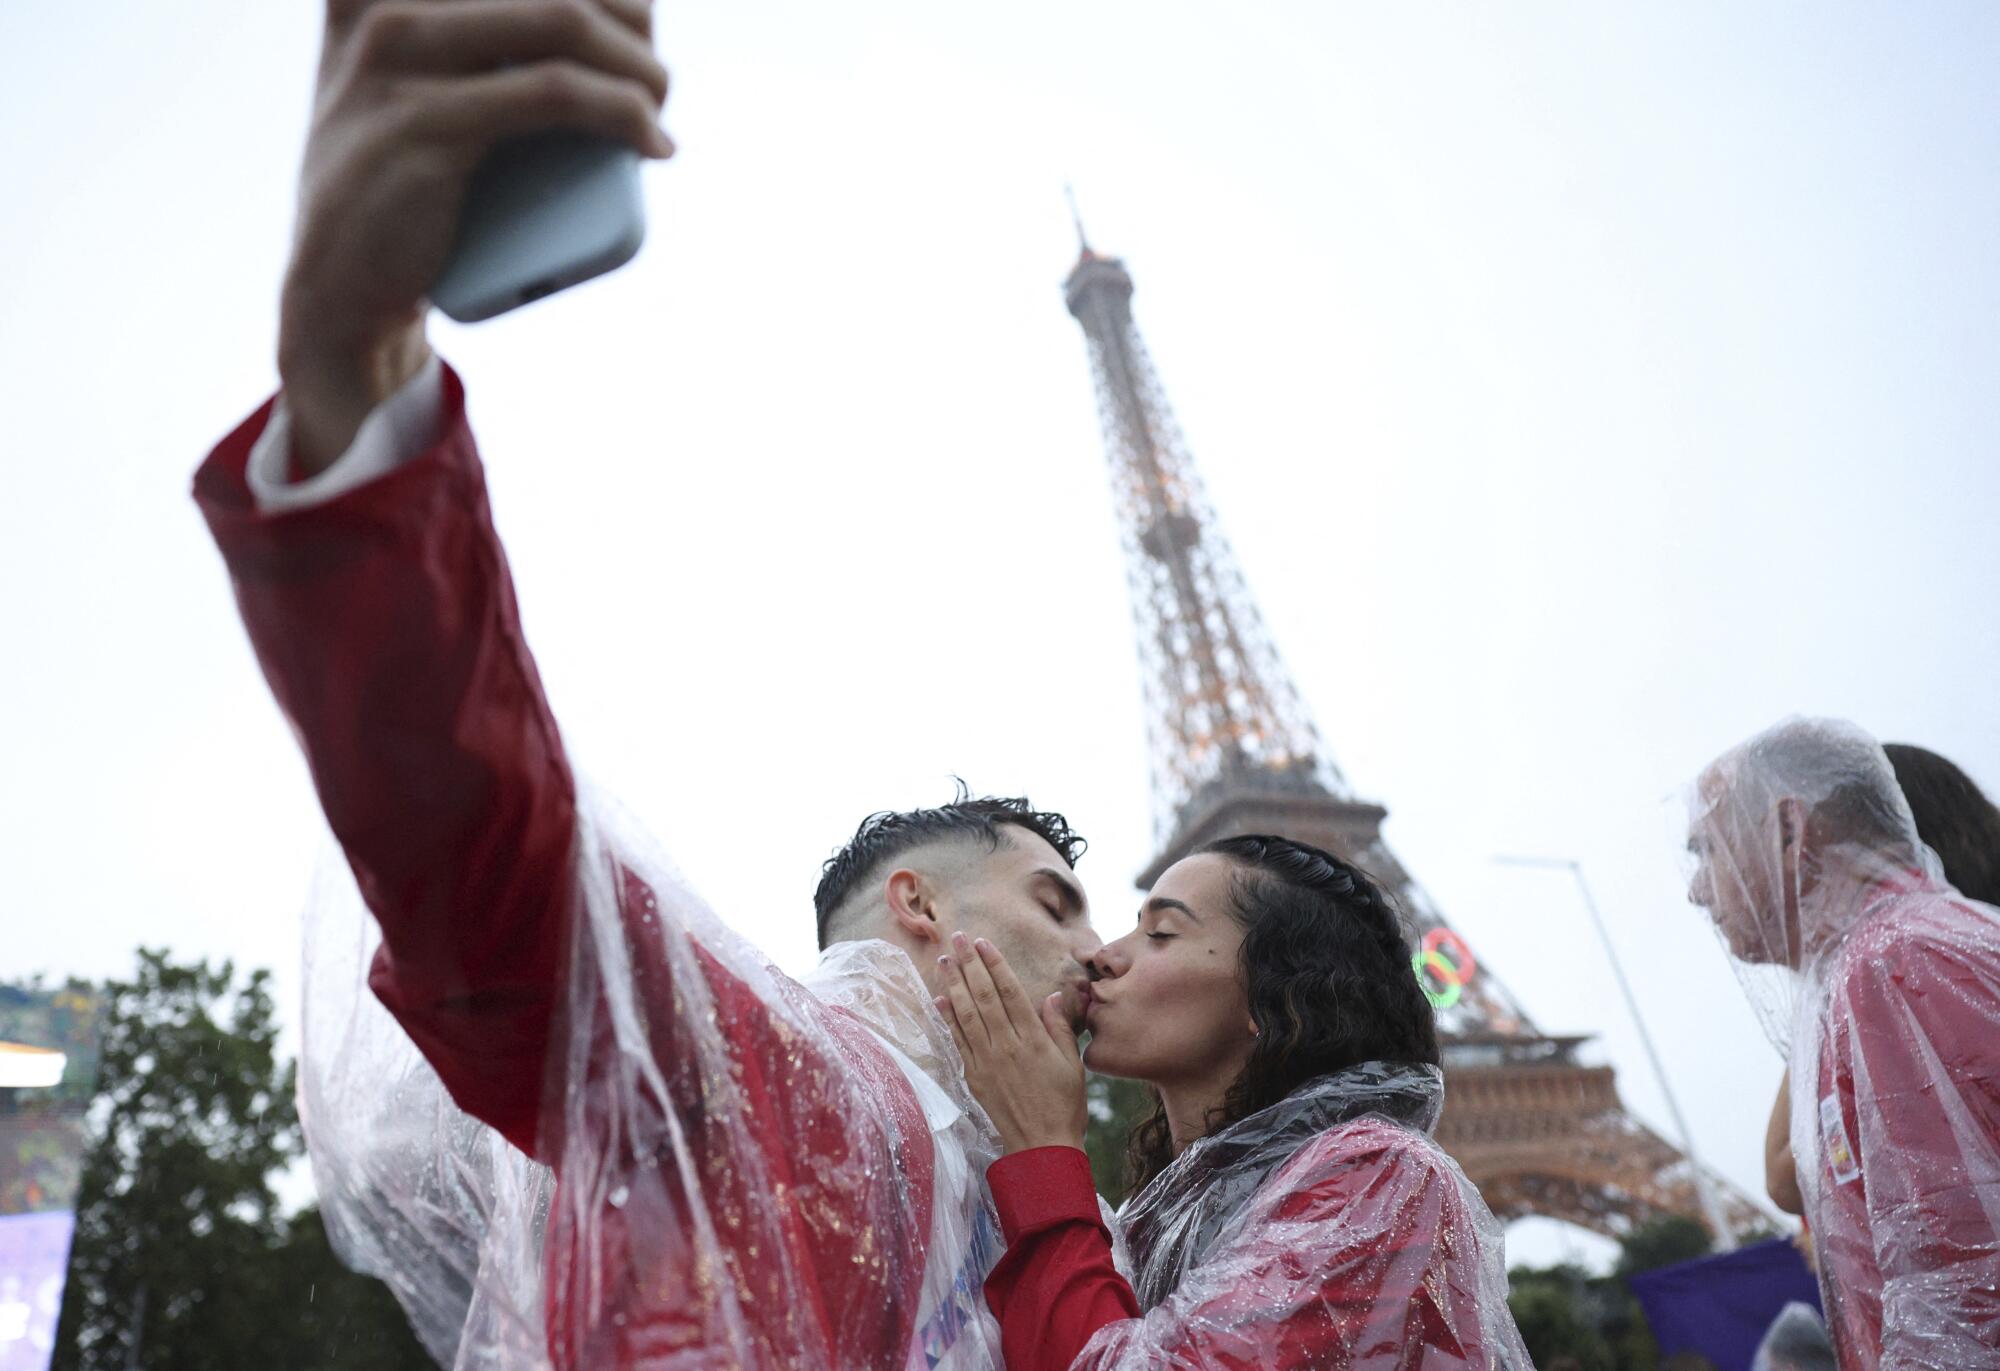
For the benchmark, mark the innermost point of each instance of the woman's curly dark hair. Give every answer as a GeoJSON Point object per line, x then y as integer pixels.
{"type": "Point", "coordinates": [1954, 819]}
{"type": "Point", "coordinates": [1326, 966]}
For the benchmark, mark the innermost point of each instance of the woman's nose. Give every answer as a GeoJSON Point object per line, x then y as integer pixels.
{"type": "Point", "coordinates": [1106, 963]}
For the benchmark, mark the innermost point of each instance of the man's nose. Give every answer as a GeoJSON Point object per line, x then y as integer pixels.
{"type": "Point", "coordinates": [1083, 948]}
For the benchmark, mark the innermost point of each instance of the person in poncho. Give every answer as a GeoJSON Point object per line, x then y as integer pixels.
{"type": "Point", "coordinates": [1881, 985]}
{"type": "Point", "coordinates": [1292, 1208]}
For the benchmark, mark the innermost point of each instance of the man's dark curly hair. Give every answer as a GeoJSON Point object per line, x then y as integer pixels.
{"type": "Point", "coordinates": [885, 837]}
{"type": "Point", "coordinates": [1326, 966]}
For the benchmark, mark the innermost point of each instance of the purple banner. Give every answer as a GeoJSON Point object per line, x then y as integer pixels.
{"type": "Point", "coordinates": [34, 1254]}
{"type": "Point", "coordinates": [1720, 1306]}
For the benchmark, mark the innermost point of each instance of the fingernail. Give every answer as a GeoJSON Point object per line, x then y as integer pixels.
{"type": "Point", "coordinates": [944, 961]}
{"type": "Point", "coordinates": [661, 144]}
{"type": "Point", "coordinates": [982, 945]}
{"type": "Point", "coordinates": [958, 941]}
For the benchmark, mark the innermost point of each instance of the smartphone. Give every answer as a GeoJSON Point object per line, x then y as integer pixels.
{"type": "Point", "coordinates": [542, 213]}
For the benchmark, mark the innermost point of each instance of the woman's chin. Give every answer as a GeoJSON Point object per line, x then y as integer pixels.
{"type": "Point", "coordinates": [1105, 1059]}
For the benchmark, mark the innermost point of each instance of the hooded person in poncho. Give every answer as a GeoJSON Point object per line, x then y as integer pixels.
{"type": "Point", "coordinates": [1881, 984]}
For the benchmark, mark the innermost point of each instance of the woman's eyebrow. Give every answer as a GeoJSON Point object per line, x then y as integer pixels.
{"type": "Point", "coordinates": [1159, 902]}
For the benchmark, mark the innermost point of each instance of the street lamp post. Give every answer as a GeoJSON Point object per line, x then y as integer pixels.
{"type": "Point", "coordinates": [1711, 1206]}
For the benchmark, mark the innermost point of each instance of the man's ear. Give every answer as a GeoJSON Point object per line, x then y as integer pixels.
{"type": "Point", "coordinates": [1791, 822]}
{"type": "Point", "coordinates": [1795, 864]}
{"type": "Point", "coordinates": [912, 905]}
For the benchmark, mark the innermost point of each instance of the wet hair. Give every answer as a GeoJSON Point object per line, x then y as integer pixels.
{"type": "Point", "coordinates": [891, 835]}
{"type": "Point", "coordinates": [1325, 964]}
{"type": "Point", "coordinates": [1954, 818]}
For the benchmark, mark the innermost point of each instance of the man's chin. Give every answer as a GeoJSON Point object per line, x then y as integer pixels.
{"type": "Point", "coordinates": [1752, 948]}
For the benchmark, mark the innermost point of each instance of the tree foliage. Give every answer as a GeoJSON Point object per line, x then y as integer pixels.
{"type": "Point", "coordinates": [183, 1258]}
{"type": "Point", "coordinates": [1116, 1107]}
{"type": "Point", "coordinates": [1553, 1309]}
{"type": "Point", "coordinates": [1663, 1242]}
{"type": "Point", "coordinates": [1571, 1319]}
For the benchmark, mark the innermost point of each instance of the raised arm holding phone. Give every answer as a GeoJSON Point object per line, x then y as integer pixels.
{"type": "Point", "coordinates": [744, 1170]}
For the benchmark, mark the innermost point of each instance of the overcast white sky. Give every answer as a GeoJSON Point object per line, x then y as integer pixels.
{"type": "Point", "coordinates": [1583, 388]}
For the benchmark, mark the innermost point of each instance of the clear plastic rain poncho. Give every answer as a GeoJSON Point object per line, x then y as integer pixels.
{"type": "Point", "coordinates": [1795, 1341]}
{"type": "Point", "coordinates": [734, 1180]}
{"type": "Point", "coordinates": [1328, 1229]}
{"type": "Point", "coordinates": [1881, 985]}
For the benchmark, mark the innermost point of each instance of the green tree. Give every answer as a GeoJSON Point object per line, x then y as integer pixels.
{"type": "Point", "coordinates": [1661, 1242]}
{"type": "Point", "coordinates": [1116, 1107]}
{"type": "Point", "coordinates": [1554, 1310]}
{"type": "Point", "coordinates": [336, 1318]}
{"type": "Point", "coordinates": [1595, 1321]}
{"type": "Point", "coordinates": [182, 1259]}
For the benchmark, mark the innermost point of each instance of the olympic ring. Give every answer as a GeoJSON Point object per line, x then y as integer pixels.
{"type": "Point", "coordinates": [1440, 999]}
{"type": "Point", "coordinates": [1444, 967]}
{"type": "Point", "coordinates": [1441, 967]}
{"type": "Point", "coordinates": [1461, 954]}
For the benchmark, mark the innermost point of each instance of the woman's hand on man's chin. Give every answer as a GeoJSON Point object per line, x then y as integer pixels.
{"type": "Point", "coordinates": [1021, 1059]}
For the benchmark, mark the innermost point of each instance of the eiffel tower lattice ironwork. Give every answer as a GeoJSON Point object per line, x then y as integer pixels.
{"type": "Point", "coordinates": [1234, 750]}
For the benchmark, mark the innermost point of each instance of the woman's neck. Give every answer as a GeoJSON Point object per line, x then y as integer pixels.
{"type": "Point", "coordinates": [1189, 1105]}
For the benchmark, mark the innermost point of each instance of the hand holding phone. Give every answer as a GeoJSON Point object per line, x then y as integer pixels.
{"type": "Point", "coordinates": [413, 95]}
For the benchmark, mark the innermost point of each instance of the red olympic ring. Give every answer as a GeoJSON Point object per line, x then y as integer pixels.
{"type": "Point", "coordinates": [1444, 967]}
{"type": "Point", "coordinates": [1458, 968]}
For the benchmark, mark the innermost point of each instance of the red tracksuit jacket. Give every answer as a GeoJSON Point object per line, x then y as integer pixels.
{"type": "Point", "coordinates": [385, 623]}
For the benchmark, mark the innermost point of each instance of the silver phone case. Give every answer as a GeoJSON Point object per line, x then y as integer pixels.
{"type": "Point", "coordinates": [542, 213]}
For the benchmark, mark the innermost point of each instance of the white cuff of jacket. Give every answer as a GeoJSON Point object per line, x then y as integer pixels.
{"type": "Point", "coordinates": [395, 431]}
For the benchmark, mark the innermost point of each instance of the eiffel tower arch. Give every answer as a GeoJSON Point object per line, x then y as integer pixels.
{"type": "Point", "coordinates": [1234, 750]}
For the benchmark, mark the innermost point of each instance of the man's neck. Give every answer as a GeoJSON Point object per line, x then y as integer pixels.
{"type": "Point", "coordinates": [1849, 895]}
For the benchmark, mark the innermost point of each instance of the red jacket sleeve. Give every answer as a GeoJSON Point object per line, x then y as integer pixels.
{"type": "Point", "coordinates": [1057, 1284]}
{"type": "Point", "coordinates": [385, 622]}
{"type": "Point", "coordinates": [1359, 1252]}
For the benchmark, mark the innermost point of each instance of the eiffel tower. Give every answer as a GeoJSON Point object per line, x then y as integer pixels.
{"type": "Point", "coordinates": [1234, 750]}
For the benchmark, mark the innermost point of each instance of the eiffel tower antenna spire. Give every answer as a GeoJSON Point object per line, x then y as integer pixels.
{"type": "Point", "coordinates": [1076, 217]}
